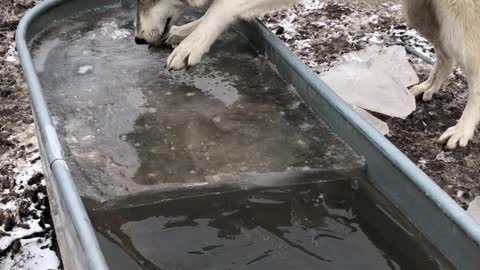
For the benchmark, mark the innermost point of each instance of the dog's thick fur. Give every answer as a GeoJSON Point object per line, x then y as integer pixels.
{"type": "Point", "coordinates": [452, 26]}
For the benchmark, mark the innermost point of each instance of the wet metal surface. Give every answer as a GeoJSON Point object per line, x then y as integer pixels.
{"type": "Point", "coordinates": [129, 126]}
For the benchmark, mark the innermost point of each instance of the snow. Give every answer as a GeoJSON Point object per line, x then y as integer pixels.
{"type": "Point", "coordinates": [312, 29]}
{"type": "Point", "coordinates": [12, 56]}
{"type": "Point", "coordinates": [18, 233]}
{"type": "Point", "coordinates": [31, 235]}
{"type": "Point", "coordinates": [34, 255]}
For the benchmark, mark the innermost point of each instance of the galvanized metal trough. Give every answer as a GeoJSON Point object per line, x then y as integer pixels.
{"type": "Point", "coordinates": [444, 225]}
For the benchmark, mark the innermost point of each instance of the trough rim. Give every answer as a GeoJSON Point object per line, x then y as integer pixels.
{"type": "Point", "coordinates": [49, 139]}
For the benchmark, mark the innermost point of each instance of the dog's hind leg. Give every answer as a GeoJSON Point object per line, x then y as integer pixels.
{"type": "Point", "coordinates": [422, 15]}
{"type": "Point", "coordinates": [463, 131]}
{"type": "Point", "coordinates": [441, 70]}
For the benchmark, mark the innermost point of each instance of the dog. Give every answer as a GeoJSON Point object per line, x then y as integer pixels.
{"type": "Point", "coordinates": [452, 26]}
{"type": "Point", "coordinates": [154, 19]}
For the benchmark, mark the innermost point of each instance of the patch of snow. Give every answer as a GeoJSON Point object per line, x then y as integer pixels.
{"type": "Point", "coordinates": [34, 254]}
{"type": "Point", "coordinates": [19, 233]}
{"type": "Point", "coordinates": [34, 237]}
{"type": "Point", "coordinates": [445, 157]}
{"type": "Point", "coordinates": [84, 69]}
{"type": "Point", "coordinates": [12, 56]}
{"type": "Point", "coordinates": [422, 163]}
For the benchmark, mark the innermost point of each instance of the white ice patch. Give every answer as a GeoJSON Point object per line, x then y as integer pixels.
{"type": "Point", "coordinates": [112, 30]}
{"type": "Point", "coordinates": [84, 69]}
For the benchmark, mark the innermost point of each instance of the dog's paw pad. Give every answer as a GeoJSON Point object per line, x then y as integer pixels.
{"type": "Point", "coordinates": [188, 53]}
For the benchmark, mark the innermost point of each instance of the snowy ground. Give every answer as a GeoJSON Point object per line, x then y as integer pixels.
{"type": "Point", "coordinates": [27, 237]}
{"type": "Point", "coordinates": [320, 32]}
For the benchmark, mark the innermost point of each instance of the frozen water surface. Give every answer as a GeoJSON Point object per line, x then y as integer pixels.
{"type": "Point", "coordinates": [129, 126]}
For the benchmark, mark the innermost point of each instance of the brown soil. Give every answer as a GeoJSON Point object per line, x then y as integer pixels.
{"type": "Point", "coordinates": [457, 171]}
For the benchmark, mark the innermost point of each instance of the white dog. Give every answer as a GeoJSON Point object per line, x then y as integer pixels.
{"type": "Point", "coordinates": [453, 27]}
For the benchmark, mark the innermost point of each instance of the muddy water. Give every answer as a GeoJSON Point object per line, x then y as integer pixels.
{"type": "Point", "coordinates": [129, 126]}
{"type": "Point", "coordinates": [305, 227]}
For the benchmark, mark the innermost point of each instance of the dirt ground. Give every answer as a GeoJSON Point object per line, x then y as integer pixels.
{"type": "Point", "coordinates": [320, 32]}
{"type": "Point", "coordinates": [27, 237]}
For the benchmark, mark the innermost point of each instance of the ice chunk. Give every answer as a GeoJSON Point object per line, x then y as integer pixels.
{"type": "Point", "coordinates": [374, 80]}
{"type": "Point", "coordinates": [474, 209]}
{"type": "Point", "coordinates": [392, 60]}
{"type": "Point", "coordinates": [381, 126]}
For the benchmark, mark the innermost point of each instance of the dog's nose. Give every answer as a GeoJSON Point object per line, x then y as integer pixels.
{"type": "Point", "coordinates": [140, 41]}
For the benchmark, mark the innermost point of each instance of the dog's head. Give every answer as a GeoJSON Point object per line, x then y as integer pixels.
{"type": "Point", "coordinates": [155, 18]}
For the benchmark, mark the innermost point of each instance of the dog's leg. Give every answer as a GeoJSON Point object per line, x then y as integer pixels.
{"type": "Point", "coordinates": [463, 131]}
{"type": "Point", "coordinates": [441, 70]}
{"type": "Point", "coordinates": [220, 14]}
{"type": "Point", "coordinates": [179, 33]}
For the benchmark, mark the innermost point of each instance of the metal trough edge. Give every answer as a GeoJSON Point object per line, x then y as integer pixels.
{"type": "Point", "coordinates": [76, 231]}
{"type": "Point", "coordinates": [443, 222]}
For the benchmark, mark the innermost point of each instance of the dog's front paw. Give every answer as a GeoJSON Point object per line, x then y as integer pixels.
{"type": "Point", "coordinates": [458, 135]}
{"type": "Point", "coordinates": [188, 53]}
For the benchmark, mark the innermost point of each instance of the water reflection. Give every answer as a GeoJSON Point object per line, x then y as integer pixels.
{"type": "Point", "coordinates": [288, 228]}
